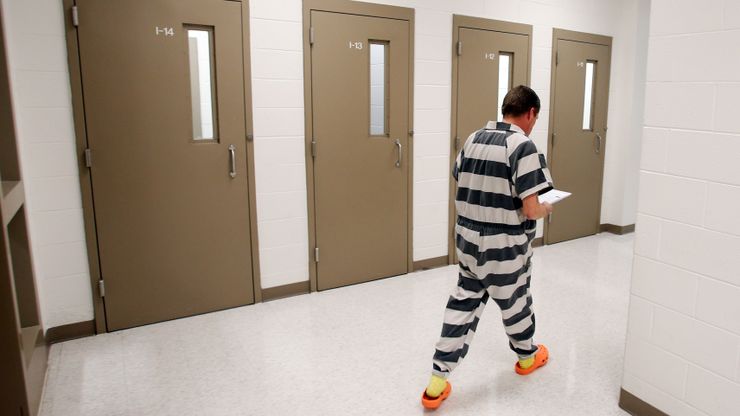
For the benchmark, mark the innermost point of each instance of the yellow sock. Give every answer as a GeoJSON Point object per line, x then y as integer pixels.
{"type": "Point", "coordinates": [525, 364]}
{"type": "Point", "coordinates": [436, 386]}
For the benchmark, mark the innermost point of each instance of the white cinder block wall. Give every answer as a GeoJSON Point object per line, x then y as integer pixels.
{"type": "Point", "coordinates": [41, 89]}
{"type": "Point", "coordinates": [37, 60]}
{"type": "Point", "coordinates": [683, 344]}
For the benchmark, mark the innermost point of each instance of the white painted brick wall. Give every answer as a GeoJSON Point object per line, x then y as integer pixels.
{"type": "Point", "coordinates": [280, 160]}
{"type": "Point", "coordinates": [37, 58]}
{"type": "Point", "coordinates": [432, 67]}
{"type": "Point", "coordinates": [43, 109]}
{"type": "Point", "coordinates": [683, 347]}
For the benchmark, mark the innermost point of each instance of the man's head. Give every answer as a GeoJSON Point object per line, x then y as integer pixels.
{"type": "Point", "coordinates": [521, 107]}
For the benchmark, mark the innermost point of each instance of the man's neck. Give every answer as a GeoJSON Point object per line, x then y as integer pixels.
{"type": "Point", "coordinates": [512, 121]}
{"type": "Point", "coordinates": [508, 120]}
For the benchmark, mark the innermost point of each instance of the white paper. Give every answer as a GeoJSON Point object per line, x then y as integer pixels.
{"type": "Point", "coordinates": [554, 196]}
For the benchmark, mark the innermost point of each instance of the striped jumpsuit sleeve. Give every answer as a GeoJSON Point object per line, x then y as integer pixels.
{"type": "Point", "coordinates": [530, 174]}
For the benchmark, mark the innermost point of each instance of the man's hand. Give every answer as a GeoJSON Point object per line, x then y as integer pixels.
{"type": "Point", "coordinates": [533, 210]}
{"type": "Point", "coordinates": [548, 207]}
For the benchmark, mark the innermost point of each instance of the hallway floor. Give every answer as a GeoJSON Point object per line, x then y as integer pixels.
{"type": "Point", "coordinates": [363, 350]}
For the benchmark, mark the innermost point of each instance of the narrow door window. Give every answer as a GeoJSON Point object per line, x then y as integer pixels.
{"type": "Point", "coordinates": [379, 108]}
{"type": "Point", "coordinates": [504, 80]}
{"type": "Point", "coordinates": [202, 83]}
{"type": "Point", "coordinates": [588, 96]}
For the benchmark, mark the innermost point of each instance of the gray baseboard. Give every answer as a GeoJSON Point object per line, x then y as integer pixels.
{"type": "Point", "coordinates": [618, 229]}
{"type": "Point", "coordinates": [431, 263]}
{"type": "Point", "coordinates": [70, 331]}
{"type": "Point", "coordinates": [636, 406]}
{"type": "Point", "coordinates": [285, 291]}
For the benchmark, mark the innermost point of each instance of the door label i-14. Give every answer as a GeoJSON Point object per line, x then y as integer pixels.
{"type": "Point", "coordinates": [166, 31]}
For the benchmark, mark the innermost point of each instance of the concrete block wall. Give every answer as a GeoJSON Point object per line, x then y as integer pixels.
{"type": "Point", "coordinates": [683, 345]}
{"type": "Point", "coordinates": [37, 60]}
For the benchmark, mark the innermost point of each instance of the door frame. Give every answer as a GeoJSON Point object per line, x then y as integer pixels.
{"type": "Point", "coordinates": [85, 178]}
{"type": "Point", "coordinates": [361, 9]}
{"type": "Point", "coordinates": [478, 23]}
{"type": "Point", "coordinates": [603, 40]}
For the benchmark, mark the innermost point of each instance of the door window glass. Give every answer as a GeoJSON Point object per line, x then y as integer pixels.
{"type": "Point", "coordinates": [504, 80]}
{"type": "Point", "coordinates": [202, 83]}
{"type": "Point", "coordinates": [588, 95]}
{"type": "Point", "coordinates": [379, 88]}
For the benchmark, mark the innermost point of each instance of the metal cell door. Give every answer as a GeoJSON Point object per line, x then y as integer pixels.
{"type": "Point", "coordinates": [488, 64]}
{"type": "Point", "coordinates": [360, 100]}
{"type": "Point", "coordinates": [164, 100]}
{"type": "Point", "coordinates": [579, 112]}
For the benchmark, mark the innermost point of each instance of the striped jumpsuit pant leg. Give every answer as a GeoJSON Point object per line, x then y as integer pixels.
{"type": "Point", "coordinates": [497, 267]}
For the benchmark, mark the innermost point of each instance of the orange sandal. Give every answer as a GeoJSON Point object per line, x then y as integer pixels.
{"type": "Point", "coordinates": [540, 359]}
{"type": "Point", "coordinates": [434, 402]}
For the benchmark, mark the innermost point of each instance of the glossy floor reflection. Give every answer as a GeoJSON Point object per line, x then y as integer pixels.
{"type": "Point", "coordinates": [363, 350]}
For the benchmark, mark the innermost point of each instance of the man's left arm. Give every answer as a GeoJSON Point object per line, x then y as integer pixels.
{"type": "Point", "coordinates": [458, 164]}
{"type": "Point", "coordinates": [531, 177]}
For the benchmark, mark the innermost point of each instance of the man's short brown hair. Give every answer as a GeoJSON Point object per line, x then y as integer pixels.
{"type": "Point", "coordinates": [519, 100]}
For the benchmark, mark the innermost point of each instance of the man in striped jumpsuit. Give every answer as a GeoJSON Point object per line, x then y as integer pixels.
{"type": "Point", "coordinates": [499, 174]}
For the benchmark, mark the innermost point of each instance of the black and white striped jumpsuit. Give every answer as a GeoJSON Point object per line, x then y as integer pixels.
{"type": "Point", "coordinates": [498, 167]}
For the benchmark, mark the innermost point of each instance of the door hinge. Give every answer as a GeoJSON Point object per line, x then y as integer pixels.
{"type": "Point", "coordinates": [310, 35]}
{"type": "Point", "coordinates": [557, 58]}
{"type": "Point", "coordinates": [101, 287]}
{"type": "Point", "coordinates": [250, 137]}
{"type": "Point", "coordinates": [411, 133]}
{"type": "Point", "coordinates": [75, 16]}
{"type": "Point", "coordinates": [88, 158]}
{"type": "Point", "coordinates": [549, 218]}
{"type": "Point", "coordinates": [316, 254]}
{"type": "Point", "coordinates": [553, 139]}
{"type": "Point", "coordinates": [457, 142]}
{"type": "Point", "coordinates": [314, 149]}
{"type": "Point", "coordinates": [459, 48]}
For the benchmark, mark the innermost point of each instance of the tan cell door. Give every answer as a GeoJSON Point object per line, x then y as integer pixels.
{"type": "Point", "coordinates": [361, 168]}
{"type": "Point", "coordinates": [579, 127]}
{"type": "Point", "coordinates": [172, 223]}
{"type": "Point", "coordinates": [489, 65]}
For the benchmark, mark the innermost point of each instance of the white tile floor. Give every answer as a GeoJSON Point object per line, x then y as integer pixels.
{"type": "Point", "coordinates": [363, 350]}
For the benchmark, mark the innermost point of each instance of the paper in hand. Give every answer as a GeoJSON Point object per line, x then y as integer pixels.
{"type": "Point", "coordinates": [554, 196]}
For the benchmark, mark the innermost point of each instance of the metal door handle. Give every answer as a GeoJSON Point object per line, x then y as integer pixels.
{"type": "Point", "coordinates": [232, 161]}
{"type": "Point", "coordinates": [598, 147]}
{"type": "Point", "coordinates": [400, 153]}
